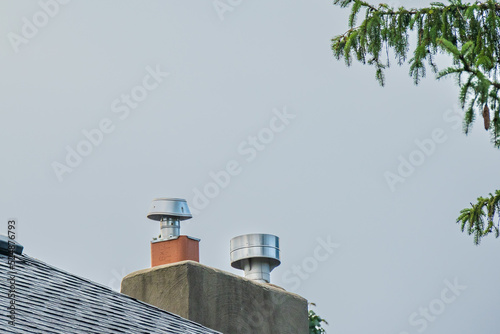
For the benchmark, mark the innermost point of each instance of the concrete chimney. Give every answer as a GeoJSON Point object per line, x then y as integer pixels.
{"type": "Point", "coordinates": [211, 297]}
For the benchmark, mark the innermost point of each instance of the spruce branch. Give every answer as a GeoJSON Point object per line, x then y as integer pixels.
{"type": "Point", "coordinates": [469, 33]}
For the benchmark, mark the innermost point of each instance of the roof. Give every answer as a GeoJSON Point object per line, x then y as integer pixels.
{"type": "Point", "coordinates": [49, 300]}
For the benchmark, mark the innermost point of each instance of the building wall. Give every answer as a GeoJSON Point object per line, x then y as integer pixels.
{"type": "Point", "coordinates": [219, 300]}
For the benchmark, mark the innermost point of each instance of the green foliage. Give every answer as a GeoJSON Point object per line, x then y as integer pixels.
{"type": "Point", "coordinates": [467, 32]}
{"type": "Point", "coordinates": [479, 219]}
{"type": "Point", "coordinates": [315, 322]}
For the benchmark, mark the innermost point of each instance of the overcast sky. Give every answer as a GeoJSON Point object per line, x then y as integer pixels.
{"type": "Point", "coordinates": [106, 105]}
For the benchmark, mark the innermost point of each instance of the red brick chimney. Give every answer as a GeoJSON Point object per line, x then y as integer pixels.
{"type": "Point", "coordinates": [172, 247]}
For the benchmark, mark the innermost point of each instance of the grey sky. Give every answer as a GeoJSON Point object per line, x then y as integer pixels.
{"type": "Point", "coordinates": [320, 176]}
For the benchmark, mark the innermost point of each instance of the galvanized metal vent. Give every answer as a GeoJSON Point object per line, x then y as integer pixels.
{"type": "Point", "coordinates": [256, 254]}
{"type": "Point", "coordinates": [4, 246]}
{"type": "Point", "coordinates": [169, 212]}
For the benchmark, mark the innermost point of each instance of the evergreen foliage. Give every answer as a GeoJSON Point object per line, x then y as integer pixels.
{"type": "Point", "coordinates": [479, 219]}
{"type": "Point", "coordinates": [315, 322]}
{"type": "Point", "coordinates": [468, 32]}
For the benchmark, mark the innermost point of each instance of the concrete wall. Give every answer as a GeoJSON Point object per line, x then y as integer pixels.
{"type": "Point", "coordinates": [219, 300]}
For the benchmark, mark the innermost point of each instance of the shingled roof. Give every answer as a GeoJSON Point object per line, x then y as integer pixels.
{"type": "Point", "coordinates": [49, 300]}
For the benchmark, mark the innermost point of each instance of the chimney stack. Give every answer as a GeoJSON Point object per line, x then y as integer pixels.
{"type": "Point", "coordinates": [214, 298]}
{"type": "Point", "coordinates": [171, 246]}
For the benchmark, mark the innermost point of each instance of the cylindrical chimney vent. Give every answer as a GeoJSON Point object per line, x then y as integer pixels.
{"type": "Point", "coordinates": [169, 212]}
{"type": "Point", "coordinates": [256, 254]}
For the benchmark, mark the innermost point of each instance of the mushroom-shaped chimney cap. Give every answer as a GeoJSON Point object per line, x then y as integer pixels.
{"type": "Point", "coordinates": [169, 207]}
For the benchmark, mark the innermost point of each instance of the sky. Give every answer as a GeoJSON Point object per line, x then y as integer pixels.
{"type": "Point", "coordinates": [240, 108]}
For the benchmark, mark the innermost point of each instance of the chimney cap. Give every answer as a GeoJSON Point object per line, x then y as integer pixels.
{"type": "Point", "coordinates": [251, 246]}
{"type": "Point", "coordinates": [169, 207]}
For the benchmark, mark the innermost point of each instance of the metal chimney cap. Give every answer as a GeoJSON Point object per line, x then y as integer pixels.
{"type": "Point", "coordinates": [252, 246]}
{"type": "Point", "coordinates": [169, 207]}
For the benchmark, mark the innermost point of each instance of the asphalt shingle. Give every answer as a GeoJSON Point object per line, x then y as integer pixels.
{"type": "Point", "coordinates": [49, 300]}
